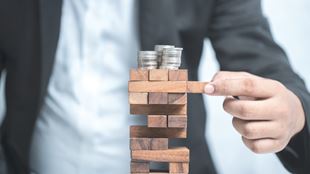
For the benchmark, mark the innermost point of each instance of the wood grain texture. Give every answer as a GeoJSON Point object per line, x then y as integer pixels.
{"type": "Point", "coordinates": [180, 154]}
{"type": "Point", "coordinates": [168, 109]}
{"type": "Point", "coordinates": [180, 98]}
{"type": "Point", "coordinates": [145, 132]}
{"type": "Point", "coordinates": [157, 121]}
{"type": "Point", "coordinates": [158, 75]}
{"type": "Point", "coordinates": [139, 167]}
{"type": "Point", "coordinates": [138, 98]}
{"type": "Point", "coordinates": [159, 143]}
{"type": "Point", "coordinates": [196, 87]}
{"type": "Point", "coordinates": [178, 167]}
{"type": "Point", "coordinates": [158, 86]}
{"type": "Point", "coordinates": [139, 75]}
{"type": "Point", "coordinates": [177, 121]}
{"type": "Point", "coordinates": [158, 98]}
{"type": "Point", "coordinates": [178, 75]}
{"type": "Point", "coordinates": [140, 144]}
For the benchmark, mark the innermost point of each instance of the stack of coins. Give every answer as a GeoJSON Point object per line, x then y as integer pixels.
{"type": "Point", "coordinates": [159, 49]}
{"type": "Point", "coordinates": [148, 60]}
{"type": "Point", "coordinates": [171, 58]}
{"type": "Point", "coordinates": [164, 57]}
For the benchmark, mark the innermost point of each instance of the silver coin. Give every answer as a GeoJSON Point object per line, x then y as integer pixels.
{"type": "Point", "coordinates": [169, 67]}
{"type": "Point", "coordinates": [148, 54]}
{"type": "Point", "coordinates": [160, 48]}
{"type": "Point", "coordinates": [148, 67]}
{"type": "Point", "coordinates": [171, 59]}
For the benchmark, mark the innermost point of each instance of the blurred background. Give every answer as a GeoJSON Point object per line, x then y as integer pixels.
{"type": "Point", "coordinates": [290, 25]}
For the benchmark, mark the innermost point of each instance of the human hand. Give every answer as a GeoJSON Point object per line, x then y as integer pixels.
{"type": "Point", "coordinates": [267, 115]}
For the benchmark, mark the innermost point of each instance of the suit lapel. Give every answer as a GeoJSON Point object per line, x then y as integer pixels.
{"type": "Point", "coordinates": [156, 23]}
{"type": "Point", "coordinates": [50, 17]}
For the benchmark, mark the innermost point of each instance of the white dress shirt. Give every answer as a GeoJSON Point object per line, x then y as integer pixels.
{"type": "Point", "coordinates": [83, 127]}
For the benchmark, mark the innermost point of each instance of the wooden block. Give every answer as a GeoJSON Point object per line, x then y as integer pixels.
{"type": "Point", "coordinates": [139, 75]}
{"type": "Point", "coordinates": [139, 167]}
{"type": "Point", "coordinates": [158, 98]}
{"type": "Point", "coordinates": [178, 167]}
{"type": "Point", "coordinates": [177, 121]}
{"type": "Point", "coordinates": [196, 87]}
{"type": "Point", "coordinates": [178, 75]}
{"type": "Point", "coordinates": [162, 86]}
{"type": "Point", "coordinates": [138, 98]}
{"type": "Point", "coordinates": [140, 143]}
{"type": "Point", "coordinates": [168, 109]}
{"type": "Point", "coordinates": [159, 121]}
{"type": "Point", "coordinates": [145, 132]}
{"type": "Point", "coordinates": [158, 75]}
{"type": "Point", "coordinates": [180, 98]}
{"type": "Point", "coordinates": [159, 143]}
{"type": "Point", "coordinates": [169, 155]}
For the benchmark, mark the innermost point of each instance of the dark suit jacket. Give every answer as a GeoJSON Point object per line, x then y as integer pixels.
{"type": "Point", "coordinates": [239, 33]}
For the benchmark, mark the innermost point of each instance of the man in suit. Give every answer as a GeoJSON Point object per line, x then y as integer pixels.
{"type": "Point", "coordinates": [50, 52]}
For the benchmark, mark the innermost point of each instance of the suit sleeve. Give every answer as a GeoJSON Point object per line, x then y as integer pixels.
{"type": "Point", "coordinates": [241, 38]}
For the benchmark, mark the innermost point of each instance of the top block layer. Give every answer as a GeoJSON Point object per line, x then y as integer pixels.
{"type": "Point", "coordinates": [158, 75]}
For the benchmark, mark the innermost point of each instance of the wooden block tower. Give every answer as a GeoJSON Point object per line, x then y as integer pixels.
{"type": "Point", "coordinates": [161, 95]}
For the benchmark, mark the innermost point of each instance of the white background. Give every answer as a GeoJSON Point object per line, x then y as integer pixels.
{"type": "Point", "coordinates": [290, 21]}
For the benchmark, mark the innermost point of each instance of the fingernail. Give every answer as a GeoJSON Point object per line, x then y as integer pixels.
{"type": "Point", "coordinates": [209, 89]}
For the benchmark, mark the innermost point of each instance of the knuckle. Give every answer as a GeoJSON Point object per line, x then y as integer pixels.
{"type": "Point", "coordinates": [249, 131]}
{"type": "Point", "coordinates": [279, 131]}
{"type": "Point", "coordinates": [277, 146]}
{"type": "Point", "coordinates": [256, 147]}
{"type": "Point", "coordinates": [283, 112]}
{"type": "Point", "coordinates": [244, 111]}
{"type": "Point", "coordinates": [281, 146]}
{"type": "Point", "coordinates": [226, 104]}
{"type": "Point", "coordinates": [225, 87]}
{"type": "Point", "coordinates": [235, 123]}
{"type": "Point", "coordinates": [248, 85]}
